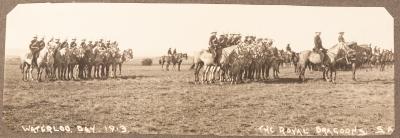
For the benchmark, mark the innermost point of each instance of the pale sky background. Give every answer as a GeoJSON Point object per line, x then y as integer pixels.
{"type": "Point", "coordinates": [150, 29]}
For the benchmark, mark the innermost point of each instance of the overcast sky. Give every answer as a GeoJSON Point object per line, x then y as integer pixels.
{"type": "Point", "coordinates": [150, 29]}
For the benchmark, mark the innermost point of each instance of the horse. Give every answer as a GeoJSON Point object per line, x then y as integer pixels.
{"type": "Point", "coordinates": [362, 56]}
{"type": "Point", "coordinates": [61, 62]}
{"type": "Point", "coordinates": [26, 65]}
{"type": "Point", "coordinates": [332, 55]}
{"type": "Point", "coordinates": [119, 59]}
{"type": "Point", "coordinates": [177, 60]}
{"type": "Point", "coordinates": [45, 62]}
{"type": "Point", "coordinates": [201, 58]}
{"type": "Point", "coordinates": [100, 60]}
{"type": "Point", "coordinates": [295, 60]}
{"type": "Point", "coordinates": [165, 60]}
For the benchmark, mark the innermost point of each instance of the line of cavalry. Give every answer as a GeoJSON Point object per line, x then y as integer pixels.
{"type": "Point", "coordinates": [66, 61]}
{"type": "Point", "coordinates": [237, 61]}
{"type": "Point", "coordinates": [229, 58]}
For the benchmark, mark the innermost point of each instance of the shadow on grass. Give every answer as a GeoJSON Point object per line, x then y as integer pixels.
{"type": "Point", "coordinates": [375, 81]}
{"type": "Point", "coordinates": [134, 76]}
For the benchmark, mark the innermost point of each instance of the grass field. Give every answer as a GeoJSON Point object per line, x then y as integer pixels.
{"type": "Point", "coordinates": [150, 101]}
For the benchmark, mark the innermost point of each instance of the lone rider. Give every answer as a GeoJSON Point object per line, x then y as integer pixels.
{"type": "Point", "coordinates": [341, 38]}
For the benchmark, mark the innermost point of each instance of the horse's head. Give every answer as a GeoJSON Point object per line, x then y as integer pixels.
{"type": "Point", "coordinates": [128, 53]}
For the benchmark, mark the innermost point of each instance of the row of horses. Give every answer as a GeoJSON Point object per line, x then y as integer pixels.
{"type": "Point", "coordinates": [253, 62]}
{"type": "Point", "coordinates": [238, 63]}
{"type": "Point", "coordinates": [73, 62]}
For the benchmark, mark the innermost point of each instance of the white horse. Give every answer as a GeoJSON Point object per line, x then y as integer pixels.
{"type": "Point", "coordinates": [45, 62]}
{"type": "Point", "coordinates": [26, 65]}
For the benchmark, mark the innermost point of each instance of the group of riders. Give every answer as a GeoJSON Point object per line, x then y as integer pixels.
{"type": "Point", "coordinates": [255, 52]}
{"type": "Point", "coordinates": [36, 45]}
{"type": "Point", "coordinates": [87, 55]}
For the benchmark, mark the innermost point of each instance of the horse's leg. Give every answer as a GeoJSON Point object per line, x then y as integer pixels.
{"type": "Point", "coordinates": [30, 73]}
{"type": "Point", "coordinates": [120, 67]}
{"type": "Point", "coordinates": [205, 73]}
{"type": "Point", "coordinates": [22, 66]}
{"type": "Point", "coordinates": [39, 74]}
{"type": "Point", "coordinates": [353, 66]}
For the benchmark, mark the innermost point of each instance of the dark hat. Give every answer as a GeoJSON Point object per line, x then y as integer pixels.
{"type": "Point", "coordinates": [341, 32]}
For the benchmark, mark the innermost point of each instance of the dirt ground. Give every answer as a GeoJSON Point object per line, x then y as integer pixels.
{"type": "Point", "coordinates": [148, 100]}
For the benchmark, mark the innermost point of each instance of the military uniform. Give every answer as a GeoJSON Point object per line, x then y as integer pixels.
{"type": "Point", "coordinates": [174, 53]}
{"type": "Point", "coordinates": [213, 41]}
{"type": "Point", "coordinates": [237, 40]}
{"type": "Point", "coordinates": [90, 45]}
{"type": "Point", "coordinates": [64, 45]}
{"type": "Point", "coordinates": [169, 52]}
{"type": "Point", "coordinates": [317, 43]}
{"type": "Point", "coordinates": [340, 38]}
{"type": "Point", "coordinates": [288, 48]}
{"type": "Point", "coordinates": [83, 45]}
{"type": "Point", "coordinates": [223, 41]}
{"type": "Point", "coordinates": [73, 44]}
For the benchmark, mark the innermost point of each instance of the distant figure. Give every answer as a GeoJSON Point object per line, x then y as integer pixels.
{"type": "Point", "coordinates": [340, 38]}
{"type": "Point", "coordinates": [169, 52]}
{"type": "Point", "coordinates": [288, 48]}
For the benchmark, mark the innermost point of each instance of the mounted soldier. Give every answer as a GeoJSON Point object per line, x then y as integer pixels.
{"type": "Point", "coordinates": [101, 44]}
{"type": "Point", "coordinates": [83, 43]}
{"type": "Point", "coordinates": [318, 43]}
{"type": "Point", "coordinates": [174, 52]}
{"type": "Point", "coordinates": [35, 48]}
{"type": "Point", "coordinates": [288, 49]}
{"type": "Point", "coordinates": [237, 39]}
{"type": "Point", "coordinates": [73, 43]}
{"type": "Point", "coordinates": [247, 40]}
{"type": "Point", "coordinates": [169, 52]}
{"type": "Point", "coordinates": [90, 45]}
{"type": "Point", "coordinates": [108, 44]}
{"type": "Point", "coordinates": [341, 38]}
{"type": "Point", "coordinates": [223, 41]}
{"type": "Point", "coordinates": [213, 45]}
{"type": "Point", "coordinates": [231, 39]}
{"type": "Point", "coordinates": [64, 44]}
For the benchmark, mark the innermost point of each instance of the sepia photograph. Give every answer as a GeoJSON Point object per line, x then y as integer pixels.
{"type": "Point", "coordinates": [199, 69]}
